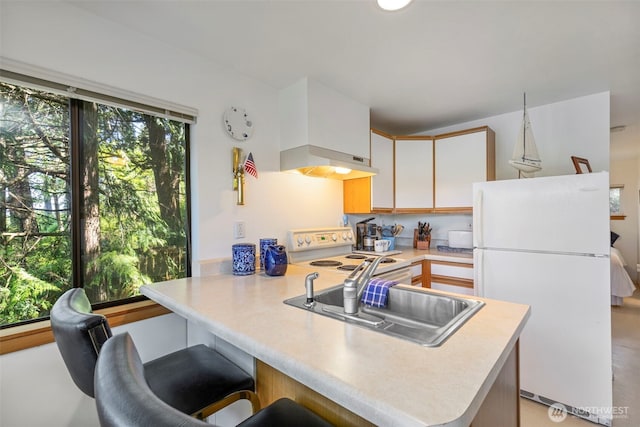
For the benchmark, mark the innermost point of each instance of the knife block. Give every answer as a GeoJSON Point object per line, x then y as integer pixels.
{"type": "Point", "coordinates": [421, 244]}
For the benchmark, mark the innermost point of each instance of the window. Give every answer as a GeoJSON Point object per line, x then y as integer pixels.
{"type": "Point", "coordinates": [93, 196]}
{"type": "Point", "coordinates": [615, 201]}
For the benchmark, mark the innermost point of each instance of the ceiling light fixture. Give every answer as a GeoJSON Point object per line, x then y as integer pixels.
{"type": "Point", "coordinates": [393, 4]}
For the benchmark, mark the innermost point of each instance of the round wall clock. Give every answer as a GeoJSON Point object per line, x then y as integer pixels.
{"type": "Point", "coordinates": [237, 123]}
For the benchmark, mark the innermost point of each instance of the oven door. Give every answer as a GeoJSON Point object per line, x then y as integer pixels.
{"type": "Point", "coordinates": [401, 275]}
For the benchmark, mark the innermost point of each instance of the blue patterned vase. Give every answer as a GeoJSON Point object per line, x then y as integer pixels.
{"type": "Point", "coordinates": [244, 259]}
{"type": "Point", "coordinates": [264, 244]}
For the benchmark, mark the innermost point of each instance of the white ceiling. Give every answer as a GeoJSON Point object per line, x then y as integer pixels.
{"type": "Point", "coordinates": [432, 64]}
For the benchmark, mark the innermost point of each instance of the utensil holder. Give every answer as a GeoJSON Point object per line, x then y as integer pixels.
{"type": "Point", "coordinates": [424, 244]}
{"type": "Point", "coordinates": [421, 244]}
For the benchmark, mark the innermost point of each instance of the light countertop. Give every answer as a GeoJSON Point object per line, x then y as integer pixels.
{"type": "Point", "coordinates": [413, 254]}
{"type": "Point", "coordinates": [386, 380]}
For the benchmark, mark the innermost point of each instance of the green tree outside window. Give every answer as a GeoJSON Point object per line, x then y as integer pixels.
{"type": "Point", "coordinates": [127, 216]}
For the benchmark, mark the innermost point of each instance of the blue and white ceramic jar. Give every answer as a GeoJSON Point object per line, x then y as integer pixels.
{"type": "Point", "coordinates": [264, 244]}
{"type": "Point", "coordinates": [244, 259]}
{"type": "Point", "coordinates": [275, 260]}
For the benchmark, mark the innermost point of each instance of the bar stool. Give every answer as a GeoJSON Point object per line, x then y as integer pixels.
{"type": "Point", "coordinates": [124, 399]}
{"type": "Point", "coordinates": [197, 381]}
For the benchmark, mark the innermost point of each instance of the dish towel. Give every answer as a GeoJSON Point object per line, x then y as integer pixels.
{"type": "Point", "coordinates": [377, 292]}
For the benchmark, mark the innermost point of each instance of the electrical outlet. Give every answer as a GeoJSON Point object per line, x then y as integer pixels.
{"type": "Point", "coordinates": [239, 229]}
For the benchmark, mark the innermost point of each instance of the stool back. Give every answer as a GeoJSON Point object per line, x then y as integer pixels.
{"type": "Point", "coordinates": [123, 397]}
{"type": "Point", "coordinates": [79, 334]}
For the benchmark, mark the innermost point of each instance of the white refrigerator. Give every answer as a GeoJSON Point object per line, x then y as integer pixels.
{"type": "Point", "coordinates": [545, 242]}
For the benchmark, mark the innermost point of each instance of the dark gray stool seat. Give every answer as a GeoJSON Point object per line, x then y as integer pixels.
{"type": "Point", "coordinates": [124, 399]}
{"type": "Point", "coordinates": [193, 378]}
{"type": "Point", "coordinates": [197, 380]}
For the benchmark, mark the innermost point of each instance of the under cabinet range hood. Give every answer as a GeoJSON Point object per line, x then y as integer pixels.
{"type": "Point", "coordinates": [323, 133]}
{"type": "Point", "coordinates": [321, 162]}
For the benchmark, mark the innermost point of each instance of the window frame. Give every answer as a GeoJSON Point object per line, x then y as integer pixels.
{"type": "Point", "coordinates": [619, 215]}
{"type": "Point", "coordinates": [76, 97]}
{"type": "Point", "coordinates": [35, 333]}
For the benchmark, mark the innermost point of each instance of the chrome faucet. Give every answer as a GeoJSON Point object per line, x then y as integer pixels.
{"type": "Point", "coordinates": [354, 285]}
{"type": "Point", "coordinates": [308, 285]}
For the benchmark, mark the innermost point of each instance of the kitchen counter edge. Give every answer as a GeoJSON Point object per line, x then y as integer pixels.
{"type": "Point", "coordinates": [302, 344]}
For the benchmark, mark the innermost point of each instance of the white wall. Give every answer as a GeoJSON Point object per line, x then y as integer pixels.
{"type": "Point", "coordinates": [35, 386]}
{"type": "Point", "coordinates": [37, 390]}
{"type": "Point", "coordinates": [69, 40]}
{"type": "Point", "coordinates": [577, 127]}
{"type": "Point", "coordinates": [625, 171]}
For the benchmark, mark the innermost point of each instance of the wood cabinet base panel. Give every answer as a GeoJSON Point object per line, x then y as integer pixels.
{"type": "Point", "coordinates": [501, 406]}
{"type": "Point", "coordinates": [272, 384]}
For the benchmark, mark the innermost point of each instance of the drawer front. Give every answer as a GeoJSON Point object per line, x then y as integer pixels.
{"type": "Point", "coordinates": [450, 269]}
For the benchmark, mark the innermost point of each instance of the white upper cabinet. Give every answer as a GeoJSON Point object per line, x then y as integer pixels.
{"type": "Point", "coordinates": [461, 159]}
{"type": "Point", "coordinates": [382, 182]}
{"type": "Point", "coordinates": [414, 173]}
{"type": "Point", "coordinates": [426, 174]}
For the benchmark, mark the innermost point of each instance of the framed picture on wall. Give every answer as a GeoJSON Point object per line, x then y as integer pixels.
{"type": "Point", "coordinates": [582, 165]}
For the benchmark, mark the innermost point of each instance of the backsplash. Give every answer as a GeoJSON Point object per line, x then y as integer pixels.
{"type": "Point", "coordinates": [441, 224]}
{"type": "Point", "coordinates": [212, 267]}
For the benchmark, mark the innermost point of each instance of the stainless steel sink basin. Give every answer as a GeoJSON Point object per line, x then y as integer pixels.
{"type": "Point", "coordinates": [417, 315]}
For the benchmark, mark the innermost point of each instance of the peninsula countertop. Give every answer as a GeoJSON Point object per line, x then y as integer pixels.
{"type": "Point", "coordinates": [386, 380]}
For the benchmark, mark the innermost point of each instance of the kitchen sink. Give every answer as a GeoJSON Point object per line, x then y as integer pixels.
{"type": "Point", "coordinates": [419, 315]}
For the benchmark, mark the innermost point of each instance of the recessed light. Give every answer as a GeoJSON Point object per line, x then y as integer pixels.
{"type": "Point", "coordinates": [393, 4]}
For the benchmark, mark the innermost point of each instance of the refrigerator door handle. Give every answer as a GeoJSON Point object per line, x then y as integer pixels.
{"type": "Point", "coordinates": [478, 272]}
{"type": "Point", "coordinates": [477, 219]}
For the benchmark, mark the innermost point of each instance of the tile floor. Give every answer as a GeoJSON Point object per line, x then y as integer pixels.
{"type": "Point", "coordinates": [625, 323]}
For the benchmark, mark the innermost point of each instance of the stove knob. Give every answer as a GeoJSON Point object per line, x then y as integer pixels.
{"type": "Point", "coordinates": [350, 235]}
{"type": "Point", "coordinates": [344, 236]}
{"type": "Point", "coordinates": [334, 237]}
{"type": "Point", "coordinates": [299, 240]}
{"type": "Point", "coordinates": [307, 239]}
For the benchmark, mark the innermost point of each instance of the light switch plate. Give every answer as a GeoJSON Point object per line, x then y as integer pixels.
{"type": "Point", "coordinates": [239, 231]}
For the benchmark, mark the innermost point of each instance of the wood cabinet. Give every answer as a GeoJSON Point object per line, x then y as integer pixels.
{"type": "Point", "coordinates": [417, 273]}
{"type": "Point", "coordinates": [449, 276]}
{"type": "Point", "coordinates": [356, 195]}
{"type": "Point", "coordinates": [376, 193]}
{"type": "Point", "coordinates": [501, 406]}
{"type": "Point", "coordinates": [423, 174]}
{"type": "Point", "coordinates": [414, 174]}
{"type": "Point", "coordinates": [462, 158]}
{"type": "Point", "coordinates": [382, 184]}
